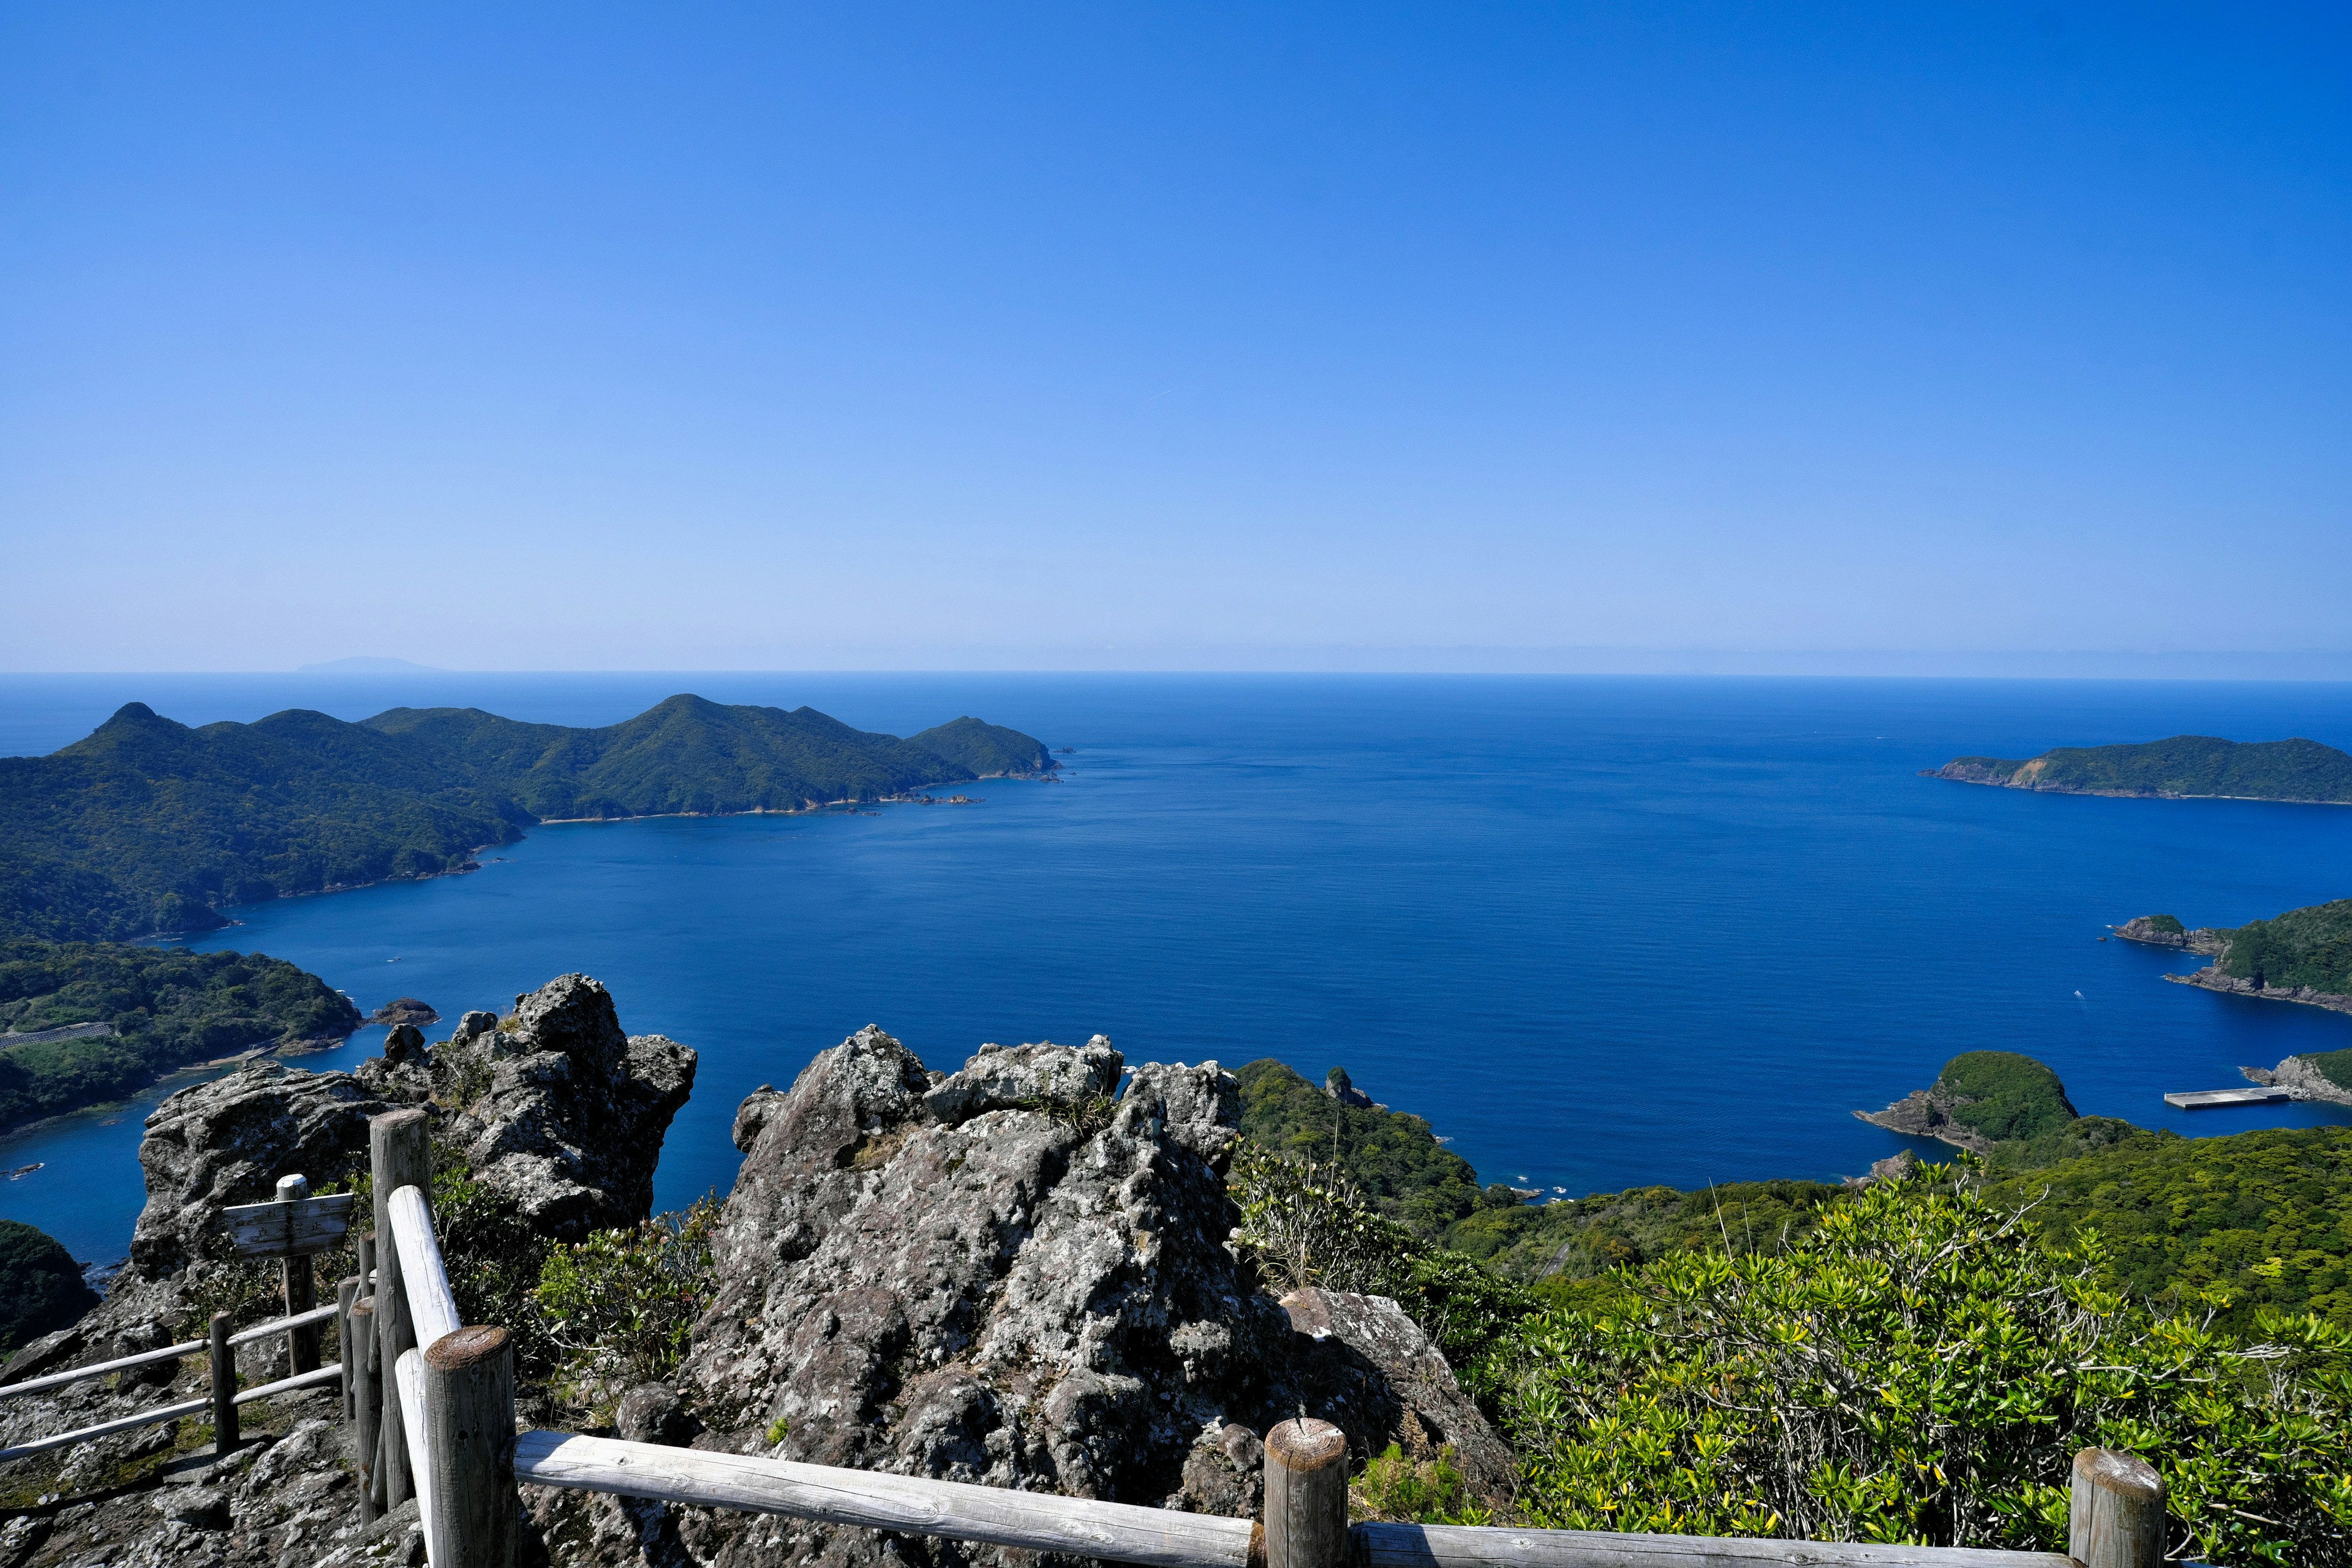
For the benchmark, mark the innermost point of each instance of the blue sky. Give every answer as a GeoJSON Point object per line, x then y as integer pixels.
{"type": "Point", "coordinates": [1349, 336]}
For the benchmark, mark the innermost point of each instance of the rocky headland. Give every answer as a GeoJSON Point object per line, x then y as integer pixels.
{"type": "Point", "coordinates": [2166, 931]}
{"type": "Point", "coordinates": [2309, 1078]}
{"type": "Point", "coordinates": [1020, 1273]}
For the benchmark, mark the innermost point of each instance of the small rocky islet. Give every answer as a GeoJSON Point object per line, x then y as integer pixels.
{"type": "Point", "coordinates": [1015, 1274]}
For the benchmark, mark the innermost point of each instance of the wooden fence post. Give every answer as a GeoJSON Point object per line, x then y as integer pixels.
{"type": "Point", "coordinates": [347, 1294]}
{"type": "Point", "coordinates": [367, 1414]}
{"type": "Point", "coordinates": [366, 1249]}
{"type": "Point", "coordinates": [399, 1150]}
{"type": "Point", "coordinates": [470, 1422]}
{"type": "Point", "coordinates": [1306, 1495]}
{"type": "Point", "coordinates": [2116, 1518]}
{"type": "Point", "coordinates": [301, 1287]}
{"type": "Point", "coordinates": [224, 1368]}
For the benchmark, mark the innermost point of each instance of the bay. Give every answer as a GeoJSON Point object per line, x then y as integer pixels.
{"type": "Point", "coordinates": [1601, 931]}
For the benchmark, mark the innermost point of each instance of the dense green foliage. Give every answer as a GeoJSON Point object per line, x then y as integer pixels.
{"type": "Point", "coordinates": [168, 1008]}
{"type": "Point", "coordinates": [2335, 1067]}
{"type": "Point", "coordinates": [2183, 765]}
{"type": "Point", "coordinates": [2003, 1095]}
{"type": "Point", "coordinates": [2263, 1219]}
{"type": "Point", "coordinates": [1390, 1155]}
{"type": "Point", "coordinates": [1923, 1367]}
{"type": "Point", "coordinates": [2168, 924]}
{"type": "Point", "coordinates": [617, 1309]}
{"type": "Point", "coordinates": [2310, 946]}
{"type": "Point", "coordinates": [150, 826]}
{"type": "Point", "coordinates": [41, 1286]}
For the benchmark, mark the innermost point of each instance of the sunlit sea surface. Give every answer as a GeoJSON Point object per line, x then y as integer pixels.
{"type": "Point", "coordinates": [1603, 933]}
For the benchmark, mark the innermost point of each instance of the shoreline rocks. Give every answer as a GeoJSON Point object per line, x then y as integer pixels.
{"type": "Point", "coordinates": [2210, 978]}
{"type": "Point", "coordinates": [2301, 1078]}
{"type": "Point", "coordinates": [2163, 930]}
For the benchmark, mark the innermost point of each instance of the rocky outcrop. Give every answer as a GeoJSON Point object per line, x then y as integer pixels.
{"type": "Point", "coordinates": [404, 1010]}
{"type": "Point", "coordinates": [2301, 1079]}
{"type": "Point", "coordinates": [558, 1109]}
{"type": "Point", "coordinates": [1976, 769]}
{"type": "Point", "coordinates": [2163, 930]}
{"type": "Point", "coordinates": [1928, 1113]}
{"type": "Point", "coordinates": [1001, 1276]}
{"type": "Point", "coordinates": [229, 1141]}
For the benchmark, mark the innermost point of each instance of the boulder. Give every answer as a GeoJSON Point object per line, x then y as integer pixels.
{"type": "Point", "coordinates": [1367, 1368]}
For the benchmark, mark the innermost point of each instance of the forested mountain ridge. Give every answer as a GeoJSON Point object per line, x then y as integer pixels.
{"type": "Point", "coordinates": [2183, 767]}
{"type": "Point", "coordinates": [151, 825]}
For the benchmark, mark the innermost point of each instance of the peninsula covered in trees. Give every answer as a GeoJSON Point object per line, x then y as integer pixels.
{"type": "Point", "coordinates": [150, 826]}
{"type": "Point", "coordinates": [2186, 767]}
{"type": "Point", "coordinates": [83, 1021]}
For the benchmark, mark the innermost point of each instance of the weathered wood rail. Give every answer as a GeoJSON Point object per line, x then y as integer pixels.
{"type": "Point", "coordinates": [448, 1417]}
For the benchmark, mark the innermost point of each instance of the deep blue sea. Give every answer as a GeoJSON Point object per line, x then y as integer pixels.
{"type": "Point", "coordinates": [1601, 932]}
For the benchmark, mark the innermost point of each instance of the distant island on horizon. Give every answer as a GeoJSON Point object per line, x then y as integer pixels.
{"type": "Point", "coordinates": [149, 827]}
{"type": "Point", "coordinates": [2185, 767]}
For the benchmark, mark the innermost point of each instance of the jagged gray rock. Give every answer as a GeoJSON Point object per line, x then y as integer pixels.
{"type": "Point", "coordinates": [560, 1112]}
{"type": "Point", "coordinates": [227, 1142]}
{"type": "Point", "coordinates": [998, 1277]}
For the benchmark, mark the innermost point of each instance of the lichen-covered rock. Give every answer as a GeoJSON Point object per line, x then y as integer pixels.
{"type": "Point", "coordinates": [561, 1112]}
{"type": "Point", "coordinates": [999, 1279]}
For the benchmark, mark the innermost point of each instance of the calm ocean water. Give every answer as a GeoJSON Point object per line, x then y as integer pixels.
{"type": "Point", "coordinates": [1601, 931]}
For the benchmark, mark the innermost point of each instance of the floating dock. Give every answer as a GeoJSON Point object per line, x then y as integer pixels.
{"type": "Point", "coordinates": [2206, 1098]}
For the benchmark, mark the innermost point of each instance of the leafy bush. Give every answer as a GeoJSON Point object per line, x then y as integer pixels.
{"type": "Point", "coordinates": [1415, 1491]}
{"type": "Point", "coordinates": [1304, 1224]}
{"type": "Point", "coordinates": [616, 1310]}
{"type": "Point", "coordinates": [1923, 1367]}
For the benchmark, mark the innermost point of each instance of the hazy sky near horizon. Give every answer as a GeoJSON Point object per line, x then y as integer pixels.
{"type": "Point", "coordinates": [707, 336]}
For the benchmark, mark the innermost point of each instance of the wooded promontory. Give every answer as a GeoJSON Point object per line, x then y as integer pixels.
{"type": "Point", "coordinates": [150, 826]}
{"type": "Point", "coordinates": [2186, 767]}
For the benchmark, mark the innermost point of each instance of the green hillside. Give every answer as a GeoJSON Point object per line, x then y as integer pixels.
{"type": "Point", "coordinates": [2310, 946]}
{"type": "Point", "coordinates": [168, 1007]}
{"type": "Point", "coordinates": [151, 825]}
{"type": "Point", "coordinates": [2185, 766]}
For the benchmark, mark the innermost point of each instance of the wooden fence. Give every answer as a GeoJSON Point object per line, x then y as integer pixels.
{"type": "Point", "coordinates": [441, 1430]}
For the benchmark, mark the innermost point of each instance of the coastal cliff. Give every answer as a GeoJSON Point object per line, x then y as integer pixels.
{"type": "Point", "coordinates": [2166, 931]}
{"type": "Point", "coordinates": [2325, 1077]}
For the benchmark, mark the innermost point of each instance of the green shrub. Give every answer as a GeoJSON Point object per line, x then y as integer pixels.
{"type": "Point", "coordinates": [1922, 1367]}
{"type": "Point", "coordinates": [616, 1310]}
{"type": "Point", "coordinates": [1415, 1491]}
{"type": "Point", "coordinates": [1303, 1224]}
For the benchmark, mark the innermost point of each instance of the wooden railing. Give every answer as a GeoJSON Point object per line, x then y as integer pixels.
{"type": "Point", "coordinates": [444, 1433]}
{"type": "Point", "coordinates": [223, 1398]}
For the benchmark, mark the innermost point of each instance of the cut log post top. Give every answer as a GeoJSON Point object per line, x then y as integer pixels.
{"type": "Point", "coordinates": [2116, 1515]}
